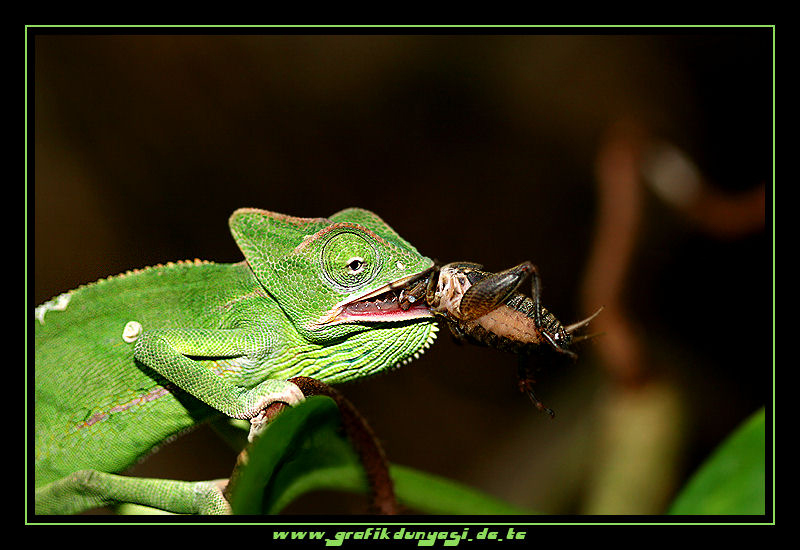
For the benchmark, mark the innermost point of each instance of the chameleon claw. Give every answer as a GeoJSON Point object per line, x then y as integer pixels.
{"type": "Point", "coordinates": [271, 406]}
{"type": "Point", "coordinates": [260, 421]}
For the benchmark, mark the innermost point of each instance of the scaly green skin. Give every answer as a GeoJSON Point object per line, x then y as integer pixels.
{"type": "Point", "coordinates": [129, 362]}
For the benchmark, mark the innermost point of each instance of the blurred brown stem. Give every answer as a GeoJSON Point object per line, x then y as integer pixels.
{"type": "Point", "coordinates": [639, 422]}
{"type": "Point", "coordinates": [619, 210]}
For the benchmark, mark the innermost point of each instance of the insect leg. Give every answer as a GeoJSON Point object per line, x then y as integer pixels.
{"type": "Point", "coordinates": [536, 294]}
{"type": "Point", "coordinates": [413, 294]}
{"type": "Point", "coordinates": [526, 384]}
{"type": "Point", "coordinates": [545, 330]}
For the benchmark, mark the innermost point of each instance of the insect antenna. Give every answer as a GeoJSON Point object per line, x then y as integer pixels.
{"type": "Point", "coordinates": [575, 326]}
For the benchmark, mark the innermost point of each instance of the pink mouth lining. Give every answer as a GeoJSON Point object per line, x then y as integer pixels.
{"type": "Point", "coordinates": [384, 307]}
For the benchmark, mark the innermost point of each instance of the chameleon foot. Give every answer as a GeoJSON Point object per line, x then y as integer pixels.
{"type": "Point", "coordinates": [270, 406]}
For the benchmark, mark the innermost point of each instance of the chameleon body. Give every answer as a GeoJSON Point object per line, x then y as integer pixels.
{"type": "Point", "coordinates": [129, 362]}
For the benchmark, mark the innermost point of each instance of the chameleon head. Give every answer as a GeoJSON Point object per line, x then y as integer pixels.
{"type": "Point", "coordinates": [332, 276]}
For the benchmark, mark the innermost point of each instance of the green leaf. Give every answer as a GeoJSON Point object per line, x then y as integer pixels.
{"type": "Point", "coordinates": [732, 480]}
{"type": "Point", "coordinates": [304, 450]}
{"type": "Point", "coordinates": [301, 444]}
{"type": "Point", "coordinates": [437, 495]}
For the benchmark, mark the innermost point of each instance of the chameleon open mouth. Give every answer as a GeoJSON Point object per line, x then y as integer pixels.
{"type": "Point", "coordinates": [380, 305]}
{"type": "Point", "coordinates": [384, 304]}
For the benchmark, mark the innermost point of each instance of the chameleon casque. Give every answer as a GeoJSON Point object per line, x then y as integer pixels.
{"type": "Point", "coordinates": [131, 361]}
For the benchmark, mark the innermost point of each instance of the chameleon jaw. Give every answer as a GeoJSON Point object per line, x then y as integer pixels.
{"type": "Point", "coordinates": [376, 306]}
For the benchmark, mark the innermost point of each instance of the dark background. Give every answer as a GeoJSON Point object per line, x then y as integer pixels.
{"type": "Point", "coordinates": [487, 148]}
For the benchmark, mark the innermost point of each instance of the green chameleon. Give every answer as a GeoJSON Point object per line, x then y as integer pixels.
{"type": "Point", "coordinates": [129, 362]}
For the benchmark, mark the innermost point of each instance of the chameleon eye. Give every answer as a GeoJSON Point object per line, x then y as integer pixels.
{"type": "Point", "coordinates": [355, 265]}
{"type": "Point", "coordinates": [350, 260]}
